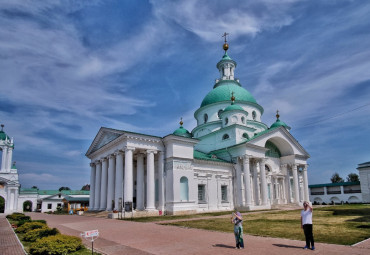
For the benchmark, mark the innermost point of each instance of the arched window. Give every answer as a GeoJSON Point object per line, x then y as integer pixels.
{"type": "Point", "coordinates": [226, 121]}
{"type": "Point", "coordinates": [243, 120]}
{"type": "Point", "coordinates": [205, 118]}
{"type": "Point", "coordinates": [219, 113]}
{"type": "Point", "coordinates": [184, 189]}
{"type": "Point", "coordinates": [225, 136]}
{"type": "Point", "coordinates": [245, 135]}
{"type": "Point", "coordinates": [254, 115]}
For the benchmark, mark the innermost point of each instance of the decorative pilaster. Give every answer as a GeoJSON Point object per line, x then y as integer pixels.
{"type": "Point", "coordinates": [128, 185]}
{"type": "Point", "coordinates": [9, 159]}
{"type": "Point", "coordinates": [263, 181]}
{"type": "Point", "coordinates": [140, 182]}
{"type": "Point", "coordinates": [247, 180]}
{"type": "Point", "coordinates": [92, 186]}
{"type": "Point", "coordinates": [3, 160]}
{"type": "Point", "coordinates": [110, 188]}
{"type": "Point", "coordinates": [295, 182]}
{"type": "Point", "coordinates": [150, 190]}
{"type": "Point", "coordinates": [119, 180]}
{"type": "Point", "coordinates": [97, 185]}
{"type": "Point", "coordinates": [256, 184]}
{"type": "Point", "coordinates": [161, 180]}
{"type": "Point", "coordinates": [104, 179]}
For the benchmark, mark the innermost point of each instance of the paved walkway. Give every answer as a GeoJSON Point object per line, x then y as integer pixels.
{"type": "Point", "coordinates": [9, 244]}
{"type": "Point", "coordinates": [123, 237]}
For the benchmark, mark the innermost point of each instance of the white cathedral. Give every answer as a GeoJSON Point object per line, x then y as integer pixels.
{"type": "Point", "coordinates": [231, 159]}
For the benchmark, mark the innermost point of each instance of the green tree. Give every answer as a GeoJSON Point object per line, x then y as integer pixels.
{"type": "Point", "coordinates": [86, 187]}
{"type": "Point", "coordinates": [335, 178]}
{"type": "Point", "coordinates": [352, 177]}
{"type": "Point", "coordinates": [34, 187]}
{"type": "Point", "coordinates": [64, 188]}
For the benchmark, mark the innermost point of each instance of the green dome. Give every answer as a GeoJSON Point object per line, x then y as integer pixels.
{"type": "Point", "coordinates": [3, 136]}
{"type": "Point", "coordinates": [182, 132]}
{"type": "Point", "coordinates": [222, 93]}
{"type": "Point", "coordinates": [279, 123]}
{"type": "Point", "coordinates": [233, 107]}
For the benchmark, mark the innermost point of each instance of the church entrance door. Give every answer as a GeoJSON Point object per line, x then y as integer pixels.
{"type": "Point", "coordinates": [27, 206]}
{"type": "Point", "coordinates": [2, 204]}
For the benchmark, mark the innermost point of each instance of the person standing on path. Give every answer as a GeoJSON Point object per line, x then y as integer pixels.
{"type": "Point", "coordinates": [306, 224]}
{"type": "Point", "coordinates": [237, 220]}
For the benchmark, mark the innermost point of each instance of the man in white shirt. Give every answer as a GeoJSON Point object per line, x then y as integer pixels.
{"type": "Point", "coordinates": [306, 224]}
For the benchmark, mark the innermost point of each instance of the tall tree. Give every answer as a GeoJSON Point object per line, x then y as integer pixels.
{"type": "Point", "coordinates": [335, 178]}
{"type": "Point", "coordinates": [86, 187]}
{"type": "Point", "coordinates": [352, 177]}
{"type": "Point", "coordinates": [64, 188]}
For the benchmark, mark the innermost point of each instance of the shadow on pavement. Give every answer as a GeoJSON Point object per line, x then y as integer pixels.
{"type": "Point", "coordinates": [223, 246]}
{"type": "Point", "coordinates": [288, 246]}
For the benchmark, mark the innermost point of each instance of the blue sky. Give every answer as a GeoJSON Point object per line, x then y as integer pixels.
{"type": "Point", "coordinates": [69, 67]}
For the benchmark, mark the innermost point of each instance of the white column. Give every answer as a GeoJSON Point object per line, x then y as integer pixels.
{"type": "Point", "coordinates": [247, 180]}
{"type": "Point", "coordinates": [140, 182]}
{"type": "Point", "coordinates": [286, 183]}
{"type": "Point", "coordinates": [239, 191]}
{"type": "Point", "coordinates": [12, 198]}
{"type": "Point", "coordinates": [9, 159]}
{"type": "Point", "coordinates": [295, 182]}
{"type": "Point", "coordinates": [256, 184]}
{"type": "Point", "coordinates": [97, 186]}
{"type": "Point", "coordinates": [161, 180]}
{"type": "Point", "coordinates": [150, 182]}
{"type": "Point", "coordinates": [7, 203]}
{"type": "Point", "coordinates": [16, 199]}
{"type": "Point", "coordinates": [3, 160]}
{"type": "Point", "coordinates": [305, 184]}
{"type": "Point", "coordinates": [128, 184]}
{"type": "Point", "coordinates": [276, 190]}
{"type": "Point", "coordinates": [92, 186]}
{"type": "Point", "coordinates": [111, 175]}
{"type": "Point", "coordinates": [283, 190]}
{"type": "Point", "coordinates": [263, 181]}
{"type": "Point", "coordinates": [104, 179]}
{"type": "Point", "coordinates": [119, 179]}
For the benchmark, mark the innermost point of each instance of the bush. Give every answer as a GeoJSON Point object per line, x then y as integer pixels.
{"type": "Point", "coordinates": [20, 223]}
{"type": "Point", "coordinates": [56, 245]}
{"type": "Point", "coordinates": [38, 233]}
{"type": "Point", "coordinates": [18, 217]}
{"type": "Point", "coordinates": [30, 226]}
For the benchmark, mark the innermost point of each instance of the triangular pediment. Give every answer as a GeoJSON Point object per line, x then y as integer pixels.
{"type": "Point", "coordinates": [104, 136]}
{"type": "Point", "coordinates": [283, 139]}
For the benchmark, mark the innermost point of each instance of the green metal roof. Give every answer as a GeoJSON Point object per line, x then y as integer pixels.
{"type": "Point", "coordinates": [64, 192]}
{"type": "Point", "coordinates": [210, 157]}
{"type": "Point", "coordinates": [28, 191]}
{"type": "Point", "coordinates": [333, 184]}
{"type": "Point", "coordinates": [74, 199]}
{"type": "Point", "coordinates": [233, 107]}
{"type": "Point", "coordinates": [182, 132]}
{"type": "Point", "coordinates": [3, 136]}
{"type": "Point", "coordinates": [363, 165]}
{"type": "Point", "coordinates": [222, 93]}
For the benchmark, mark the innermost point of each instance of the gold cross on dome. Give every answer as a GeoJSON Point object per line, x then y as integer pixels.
{"type": "Point", "coordinates": [224, 35]}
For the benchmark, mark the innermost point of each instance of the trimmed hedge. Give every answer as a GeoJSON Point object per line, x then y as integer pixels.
{"type": "Point", "coordinates": [56, 245]}
{"type": "Point", "coordinates": [38, 233]}
{"type": "Point", "coordinates": [18, 217]}
{"type": "Point", "coordinates": [30, 226]}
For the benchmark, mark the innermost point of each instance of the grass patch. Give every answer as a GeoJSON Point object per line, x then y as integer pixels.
{"type": "Point", "coordinates": [344, 224]}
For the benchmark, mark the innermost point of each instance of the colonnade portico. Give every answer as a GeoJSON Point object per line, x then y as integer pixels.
{"type": "Point", "coordinates": [254, 184]}
{"type": "Point", "coordinates": [112, 179]}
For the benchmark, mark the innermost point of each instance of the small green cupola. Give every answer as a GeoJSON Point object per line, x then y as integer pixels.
{"type": "Point", "coordinates": [181, 131]}
{"type": "Point", "coordinates": [3, 136]}
{"type": "Point", "coordinates": [279, 123]}
{"type": "Point", "coordinates": [233, 106]}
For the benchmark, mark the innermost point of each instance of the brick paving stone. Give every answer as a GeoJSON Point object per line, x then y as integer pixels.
{"type": "Point", "coordinates": [134, 238]}
{"type": "Point", "coordinates": [9, 244]}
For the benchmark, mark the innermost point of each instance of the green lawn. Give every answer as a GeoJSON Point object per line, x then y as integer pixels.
{"type": "Point", "coordinates": [344, 224]}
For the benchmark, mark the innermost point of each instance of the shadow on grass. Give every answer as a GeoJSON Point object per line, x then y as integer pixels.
{"type": "Point", "coordinates": [223, 246]}
{"type": "Point", "coordinates": [287, 246]}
